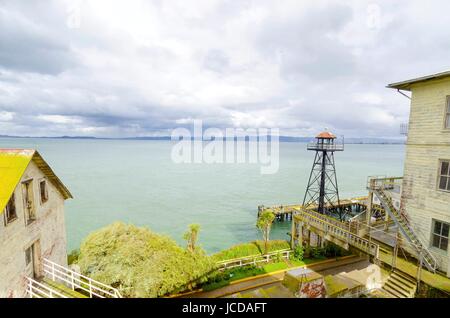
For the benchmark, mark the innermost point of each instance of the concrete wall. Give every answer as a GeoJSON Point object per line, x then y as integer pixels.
{"type": "Point", "coordinates": [16, 237]}
{"type": "Point", "coordinates": [428, 142]}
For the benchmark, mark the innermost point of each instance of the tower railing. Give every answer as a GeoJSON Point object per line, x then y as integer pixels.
{"type": "Point", "coordinates": [324, 146]}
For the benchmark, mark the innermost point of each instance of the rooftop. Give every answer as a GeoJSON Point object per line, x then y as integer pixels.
{"type": "Point", "coordinates": [406, 85]}
{"type": "Point", "coordinates": [13, 163]}
{"type": "Point", "coordinates": [326, 135]}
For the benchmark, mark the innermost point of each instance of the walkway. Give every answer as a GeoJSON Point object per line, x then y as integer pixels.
{"type": "Point", "coordinates": [271, 278]}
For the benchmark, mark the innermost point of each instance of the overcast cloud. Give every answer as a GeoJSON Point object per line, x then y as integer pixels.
{"type": "Point", "coordinates": [140, 68]}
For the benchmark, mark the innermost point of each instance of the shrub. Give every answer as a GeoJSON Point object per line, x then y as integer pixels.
{"type": "Point", "coordinates": [141, 263]}
{"type": "Point", "coordinates": [250, 249]}
{"type": "Point", "coordinates": [72, 258]}
{"type": "Point", "coordinates": [317, 252]}
{"type": "Point", "coordinates": [299, 253]}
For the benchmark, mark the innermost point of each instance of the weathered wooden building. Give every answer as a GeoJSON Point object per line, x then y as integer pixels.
{"type": "Point", "coordinates": [426, 182]}
{"type": "Point", "coordinates": [32, 226]}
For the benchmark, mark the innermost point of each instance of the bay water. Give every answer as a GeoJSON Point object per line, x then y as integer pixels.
{"type": "Point", "coordinates": [135, 181]}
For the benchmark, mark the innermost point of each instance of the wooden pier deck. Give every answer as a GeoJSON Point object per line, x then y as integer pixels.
{"type": "Point", "coordinates": [284, 212]}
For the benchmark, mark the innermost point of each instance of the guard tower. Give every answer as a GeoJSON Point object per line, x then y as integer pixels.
{"type": "Point", "coordinates": [322, 187]}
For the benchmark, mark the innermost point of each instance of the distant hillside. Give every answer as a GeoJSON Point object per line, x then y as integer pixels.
{"type": "Point", "coordinates": [281, 139]}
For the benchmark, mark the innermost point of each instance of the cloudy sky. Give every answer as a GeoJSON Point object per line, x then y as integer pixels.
{"type": "Point", "coordinates": [141, 68]}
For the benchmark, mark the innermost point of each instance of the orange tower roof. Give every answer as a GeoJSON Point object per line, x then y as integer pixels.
{"type": "Point", "coordinates": [326, 135]}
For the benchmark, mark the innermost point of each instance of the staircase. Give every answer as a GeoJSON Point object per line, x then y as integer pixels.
{"type": "Point", "coordinates": [400, 285]}
{"type": "Point", "coordinates": [378, 187]}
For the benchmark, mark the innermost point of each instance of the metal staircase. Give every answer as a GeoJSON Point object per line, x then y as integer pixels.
{"type": "Point", "coordinates": [379, 187]}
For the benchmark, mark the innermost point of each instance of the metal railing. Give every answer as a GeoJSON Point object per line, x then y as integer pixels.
{"type": "Point", "coordinates": [379, 186]}
{"type": "Point", "coordinates": [38, 290]}
{"type": "Point", "coordinates": [254, 259]}
{"type": "Point", "coordinates": [340, 230]}
{"type": "Point", "coordinates": [78, 281]}
{"type": "Point", "coordinates": [328, 147]}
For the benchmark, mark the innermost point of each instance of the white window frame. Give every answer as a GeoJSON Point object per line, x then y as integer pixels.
{"type": "Point", "coordinates": [40, 191]}
{"type": "Point", "coordinates": [433, 234]}
{"type": "Point", "coordinates": [440, 175]}
{"type": "Point", "coordinates": [6, 211]}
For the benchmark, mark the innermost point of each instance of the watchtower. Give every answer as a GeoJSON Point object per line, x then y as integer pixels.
{"type": "Point", "coordinates": [322, 187]}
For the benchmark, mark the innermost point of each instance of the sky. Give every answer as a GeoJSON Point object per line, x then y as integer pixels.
{"type": "Point", "coordinates": [111, 68]}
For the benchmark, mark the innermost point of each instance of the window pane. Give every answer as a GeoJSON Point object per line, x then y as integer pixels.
{"type": "Point", "coordinates": [444, 244]}
{"type": "Point", "coordinates": [447, 121]}
{"type": "Point", "coordinates": [444, 168]}
{"type": "Point", "coordinates": [28, 256]}
{"type": "Point", "coordinates": [445, 229]}
{"type": "Point", "coordinates": [436, 241]}
{"type": "Point", "coordinates": [443, 183]}
{"type": "Point", "coordinates": [437, 227]}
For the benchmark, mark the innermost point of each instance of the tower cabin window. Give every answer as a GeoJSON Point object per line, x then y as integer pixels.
{"type": "Point", "coordinates": [440, 235]}
{"type": "Point", "coordinates": [10, 210]}
{"type": "Point", "coordinates": [43, 191]}
{"type": "Point", "coordinates": [444, 175]}
{"type": "Point", "coordinates": [447, 114]}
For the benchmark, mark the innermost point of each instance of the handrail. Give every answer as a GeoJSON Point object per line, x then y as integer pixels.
{"type": "Point", "coordinates": [76, 280]}
{"type": "Point", "coordinates": [378, 185]}
{"type": "Point", "coordinates": [319, 146]}
{"type": "Point", "coordinates": [340, 230]}
{"type": "Point", "coordinates": [38, 290]}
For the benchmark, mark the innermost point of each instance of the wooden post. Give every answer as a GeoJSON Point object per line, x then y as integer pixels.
{"type": "Point", "coordinates": [394, 256]}
{"type": "Point", "coordinates": [419, 270]}
{"type": "Point", "coordinates": [369, 208]}
{"type": "Point", "coordinates": [293, 233]}
{"type": "Point", "coordinates": [300, 234]}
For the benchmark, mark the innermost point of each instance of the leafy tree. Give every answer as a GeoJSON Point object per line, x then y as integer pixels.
{"type": "Point", "coordinates": [191, 236]}
{"type": "Point", "coordinates": [141, 263]}
{"type": "Point", "coordinates": [264, 223]}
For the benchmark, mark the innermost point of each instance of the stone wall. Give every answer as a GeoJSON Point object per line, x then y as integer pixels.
{"type": "Point", "coordinates": [48, 230]}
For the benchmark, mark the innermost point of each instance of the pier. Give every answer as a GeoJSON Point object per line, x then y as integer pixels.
{"type": "Point", "coordinates": [351, 207]}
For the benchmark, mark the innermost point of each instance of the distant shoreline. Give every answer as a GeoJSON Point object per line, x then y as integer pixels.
{"type": "Point", "coordinates": [284, 139]}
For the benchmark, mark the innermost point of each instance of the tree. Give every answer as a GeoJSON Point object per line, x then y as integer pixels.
{"type": "Point", "coordinates": [141, 263]}
{"type": "Point", "coordinates": [264, 223]}
{"type": "Point", "coordinates": [191, 236]}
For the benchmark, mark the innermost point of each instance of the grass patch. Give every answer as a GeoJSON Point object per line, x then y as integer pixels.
{"type": "Point", "coordinates": [249, 249]}
{"type": "Point", "coordinates": [273, 267]}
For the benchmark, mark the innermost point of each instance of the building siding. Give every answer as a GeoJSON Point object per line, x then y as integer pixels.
{"type": "Point", "coordinates": [48, 228]}
{"type": "Point", "coordinates": [428, 143]}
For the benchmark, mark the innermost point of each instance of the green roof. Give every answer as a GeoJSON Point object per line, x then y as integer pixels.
{"type": "Point", "coordinates": [13, 163]}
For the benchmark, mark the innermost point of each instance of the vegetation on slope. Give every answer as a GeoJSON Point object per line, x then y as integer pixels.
{"type": "Point", "coordinates": [141, 263]}
{"type": "Point", "coordinates": [250, 249]}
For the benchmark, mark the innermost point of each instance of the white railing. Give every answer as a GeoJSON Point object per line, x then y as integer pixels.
{"type": "Point", "coordinates": [253, 260]}
{"type": "Point", "coordinates": [38, 290]}
{"type": "Point", "coordinates": [78, 281]}
{"type": "Point", "coordinates": [340, 230]}
{"type": "Point", "coordinates": [324, 146]}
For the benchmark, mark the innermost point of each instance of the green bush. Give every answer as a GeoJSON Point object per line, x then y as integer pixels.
{"type": "Point", "coordinates": [141, 263]}
{"type": "Point", "coordinates": [249, 249]}
{"type": "Point", "coordinates": [298, 253]}
{"type": "Point", "coordinates": [332, 250]}
{"type": "Point", "coordinates": [72, 258]}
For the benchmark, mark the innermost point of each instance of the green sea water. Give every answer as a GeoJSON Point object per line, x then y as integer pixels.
{"type": "Point", "coordinates": [137, 182]}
